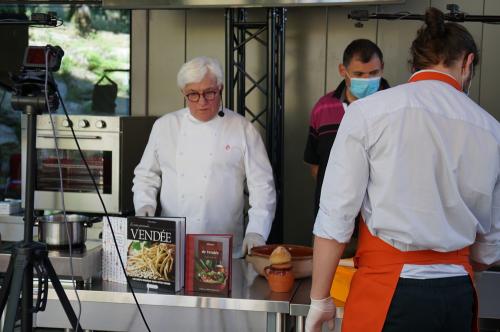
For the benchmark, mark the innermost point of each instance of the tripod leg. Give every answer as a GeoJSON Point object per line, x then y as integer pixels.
{"type": "Point", "coordinates": [70, 313]}
{"type": "Point", "coordinates": [15, 292]}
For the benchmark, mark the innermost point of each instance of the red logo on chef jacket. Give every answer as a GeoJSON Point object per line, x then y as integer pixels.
{"type": "Point", "coordinates": [228, 147]}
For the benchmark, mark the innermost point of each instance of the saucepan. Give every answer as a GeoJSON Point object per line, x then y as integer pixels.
{"type": "Point", "coordinates": [52, 229]}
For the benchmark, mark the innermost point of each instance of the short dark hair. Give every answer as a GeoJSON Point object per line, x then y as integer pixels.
{"type": "Point", "coordinates": [363, 49]}
{"type": "Point", "coordinates": [439, 42]}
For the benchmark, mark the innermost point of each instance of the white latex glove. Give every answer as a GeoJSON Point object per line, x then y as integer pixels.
{"type": "Point", "coordinates": [145, 211]}
{"type": "Point", "coordinates": [321, 311]}
{"type": "Point", "coordinates": [252, 240]}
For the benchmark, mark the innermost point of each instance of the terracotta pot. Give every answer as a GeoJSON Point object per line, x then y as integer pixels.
{"type": "Point", "coordinates": [280, 280]}
{"type": "Point", "coordinates": [301, 258]}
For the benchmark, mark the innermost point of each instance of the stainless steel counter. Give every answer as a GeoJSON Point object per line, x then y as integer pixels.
{"type": "Point", "coordinates": [103, 301]}
{"type": "Point", "coordinates": [86, 261]}
{"type": "Point", "coordinates": [300, 306]}
{"type": "Point", "coordinates": [12, 227]}
{"type": "Point", "coordinates": [488, 289]}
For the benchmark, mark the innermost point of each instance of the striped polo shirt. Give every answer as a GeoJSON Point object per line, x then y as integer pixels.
{"type": "Point", "coordinates": [325, 119]}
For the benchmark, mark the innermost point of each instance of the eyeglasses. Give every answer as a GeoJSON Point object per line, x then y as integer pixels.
{"type": "Point", "coordinates": [207, 95]}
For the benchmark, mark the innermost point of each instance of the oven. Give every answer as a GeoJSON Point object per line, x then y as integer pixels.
{"type": "Point", "coordinates": [112, 147]}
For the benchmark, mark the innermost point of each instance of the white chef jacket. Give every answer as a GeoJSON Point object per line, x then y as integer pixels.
{"type": "Point", "coordinates": [200, 169]}
{"type": "Point", "coordinates": [422, 162]}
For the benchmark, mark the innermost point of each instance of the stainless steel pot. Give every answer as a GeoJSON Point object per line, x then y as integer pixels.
{"type": "Point", "coordinates": [52, 229]}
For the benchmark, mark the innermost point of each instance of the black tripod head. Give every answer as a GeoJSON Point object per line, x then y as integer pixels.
{"type": "Point", "coordinates": [31, 87]}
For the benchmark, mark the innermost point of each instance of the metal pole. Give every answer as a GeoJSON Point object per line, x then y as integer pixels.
{"type": "Point", "coordinates": [241, 62]}
{"type": "Point", "coordinates": [229, 59]}
{"type": "Point", "coordinates": [280, 120]}
{"type": "Point", "coordinates": [300, 324]}
{"type": "Point", "coordinates": [271, 81]}
{"type": "Point", "coordinates": [27, 293]}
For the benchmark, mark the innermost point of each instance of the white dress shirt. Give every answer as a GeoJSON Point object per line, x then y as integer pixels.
{"type": "Point", "coordinates": [422, 163]}
{"type": "Point", "coordinates": [201, 168]}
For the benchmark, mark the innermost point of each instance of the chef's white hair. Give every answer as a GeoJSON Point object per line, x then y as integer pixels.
{"type": "Point", "coordinates": [195, 70]}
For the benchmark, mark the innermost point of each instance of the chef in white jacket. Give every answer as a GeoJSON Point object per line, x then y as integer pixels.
{"type": "Point", "coordinates": [199, 159]}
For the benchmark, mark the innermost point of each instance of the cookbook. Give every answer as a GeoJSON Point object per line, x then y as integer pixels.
{"type": "Point", "coordinates": [155, 252]}
{"type": "Point", "coordinates": [208, 263]}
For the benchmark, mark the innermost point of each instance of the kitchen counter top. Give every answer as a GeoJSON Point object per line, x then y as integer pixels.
{"type": "Point", "coordinates": [12, 218]}
{"type": "Point", "coordinates": [247, 294]}
{"type": "Point", "coordinates": [86, 260]}
{"type": "Point", "coordinates": [488, 291]}
{"type": "Point", "coordinates": [103, 299]}
{"type": "Point", "coordinates": [12, 227]}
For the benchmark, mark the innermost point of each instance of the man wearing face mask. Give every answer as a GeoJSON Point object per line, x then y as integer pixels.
{"type": "Point", "coordinates": [362, 68]}
{"type": "Point", "coordinates": [422, 163]}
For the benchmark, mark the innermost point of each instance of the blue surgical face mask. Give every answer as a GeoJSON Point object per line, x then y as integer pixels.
{"type": "Point", "coordinates": [362, 87]}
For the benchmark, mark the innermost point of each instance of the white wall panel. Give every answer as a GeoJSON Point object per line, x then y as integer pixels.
{"type": "Point", "coordinates": [340, 32]}
{"type": "Point", "coordinates": [490, 73]}
{"type": "Point", "coordinates": [475, 28]}
{"type": "Point", "coordinates": [205, 33]}
{"type": "Point", "coordinates": [166, 55]}
{"type": "Point", "coordinates": [305, 84]}
{"type": "Point", "coordinates": [395, 37]}
{"type": "Point", "coordinates": [138, 63]}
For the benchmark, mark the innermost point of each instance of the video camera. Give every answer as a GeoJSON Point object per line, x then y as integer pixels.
{"type": "Point", "coordinates": [34, 58]}
{"type": "Point", "coordinates": [39, 62]}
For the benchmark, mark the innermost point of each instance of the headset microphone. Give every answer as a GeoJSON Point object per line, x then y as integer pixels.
{"type": "Point", "coordinates": [221, 112]}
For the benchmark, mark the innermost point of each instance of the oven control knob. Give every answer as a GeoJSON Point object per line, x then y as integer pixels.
{"type": "Point", "coordinates": [100, 124]}
{"type": "Point", "coordinates": [83, 123]}
{"type": "Point", "coordinates": [67, 123]}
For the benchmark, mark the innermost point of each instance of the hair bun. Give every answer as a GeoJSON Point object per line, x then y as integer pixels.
{"type": "Point", "coordinates": [434, 19]}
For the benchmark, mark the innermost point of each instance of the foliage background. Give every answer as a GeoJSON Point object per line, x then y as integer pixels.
{"type": "Point", "coordinates": [94, 40]}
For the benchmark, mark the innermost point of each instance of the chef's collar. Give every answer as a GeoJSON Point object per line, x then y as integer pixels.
{"type": "Point", "coordinates": [435, 75]}
{"type": "Point", "coordinates": [196, 121]}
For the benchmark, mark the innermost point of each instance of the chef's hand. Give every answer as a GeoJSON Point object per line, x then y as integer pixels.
{"type": "Point", "coordinates": [252, 240]}
{"type": "Point", "coordinates": [321, 311]}
{"type": "Point", "coordinates": [145, 211]}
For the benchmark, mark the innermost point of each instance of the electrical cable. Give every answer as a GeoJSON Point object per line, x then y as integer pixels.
{"type": "Point", "coordinates": [61, 187]}
{"type": "Point", "coordinates": [104, 208]}
{"type": "Point", "coordinates": [3, 98]}
{"type": "Point", "coordinates": [403, 15]}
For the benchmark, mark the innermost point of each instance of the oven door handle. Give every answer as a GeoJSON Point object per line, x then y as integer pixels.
{"type": "Point", "coordinates": [69, 137]}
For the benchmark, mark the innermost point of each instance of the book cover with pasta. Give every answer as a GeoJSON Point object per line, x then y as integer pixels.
{"type": "Point", "coordinates": [155, 252]}
{"type": "Point", "coordinates": [208, 263]}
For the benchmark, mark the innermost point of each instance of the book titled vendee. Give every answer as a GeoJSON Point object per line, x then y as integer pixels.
{"type": "Point", "coordinates": [208, 263]}
{"type": "Point", "coordinates": [155, 252]}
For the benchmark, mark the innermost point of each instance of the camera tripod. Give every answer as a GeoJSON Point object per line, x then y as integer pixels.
{"type": "Point", "coordinates": [29, 255]}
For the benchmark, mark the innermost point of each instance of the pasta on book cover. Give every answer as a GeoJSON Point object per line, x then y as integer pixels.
{"type": "Point", "coordinates": [155, 252]}
{"type": "Point", "coordinates": [208, 263]}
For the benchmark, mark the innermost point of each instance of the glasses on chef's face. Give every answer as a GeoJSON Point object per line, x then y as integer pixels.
{"type": "Point", "coordinates": [208, 95]}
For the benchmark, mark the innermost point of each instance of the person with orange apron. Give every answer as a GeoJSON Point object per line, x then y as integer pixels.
{"type": "Point", "coordinates": [421, 161]}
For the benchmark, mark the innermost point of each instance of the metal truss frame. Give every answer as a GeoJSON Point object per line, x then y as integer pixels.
{"type": "Point", "coordinates": [269, 33]}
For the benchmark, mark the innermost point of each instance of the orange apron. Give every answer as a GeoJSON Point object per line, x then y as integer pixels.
{"type": "Point", "coordinates": [379, 264]}
{"type": "Point", "coordinates": [373, 285]}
